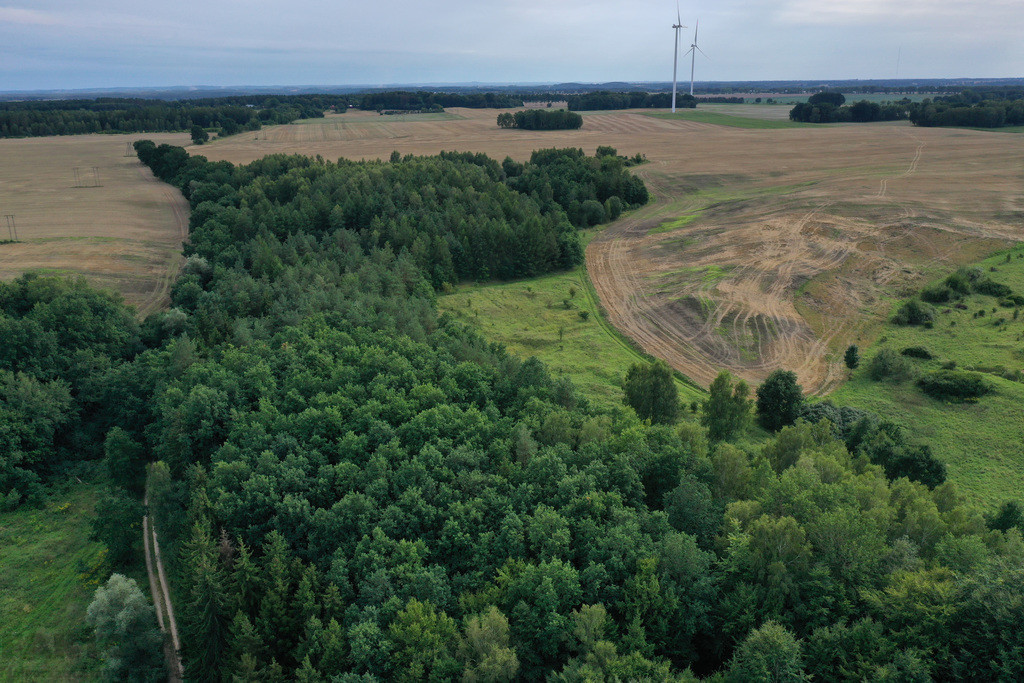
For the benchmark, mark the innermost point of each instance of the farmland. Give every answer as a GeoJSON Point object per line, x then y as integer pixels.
{"type": "Point", "coordinates": [115, 225]}
{"type": "Point", "coordinates": [813, 230]}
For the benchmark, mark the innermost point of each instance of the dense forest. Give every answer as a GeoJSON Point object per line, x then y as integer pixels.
{"type": "Point", "coordinates": [540, 119]}
{"type": "Point", "coordinates": [354, 488]}
{"type": "Point", "coordinates": [828, 107]}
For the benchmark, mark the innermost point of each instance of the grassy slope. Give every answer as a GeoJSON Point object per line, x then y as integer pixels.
{"type": "Point", "coordinates": [526, 316]}
{"type": "Point", "coordinates": [48, 571]}
{"type": "Point", "coordinates": [980, 443]}
{"type": "Point", "coordinates": [731, 121]}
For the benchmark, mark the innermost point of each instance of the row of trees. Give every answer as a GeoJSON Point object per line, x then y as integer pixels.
{"type": "Point", "coordinates": [828, 107]}
{"type": "Point", "coordinates": [74, 117]}
{"type": "Point", "coordinates": [974, 109]}
{"type": "Point", "coordinates": [540, 119]}
{"type": "Point", "coordinates": [606, 99]}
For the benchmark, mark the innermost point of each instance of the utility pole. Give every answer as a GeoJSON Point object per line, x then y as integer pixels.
{"type": "Point", "coordinates": [12, 227]}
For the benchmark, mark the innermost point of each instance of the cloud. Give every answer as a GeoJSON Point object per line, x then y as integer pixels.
{"type": "Point", "coordinates": [30, 17]}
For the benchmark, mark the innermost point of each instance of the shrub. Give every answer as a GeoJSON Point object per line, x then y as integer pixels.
{"type": "Point", "coordinates": [992, 288]}
{"type": "Point", "coordinates": [914, 312]}
{"type": "Point", "coordinates": [1012, 300]}
{"type": "Point", "coordinates": [887, 364]}
{"type": "Point", "coordinates": [917, 352]}
{"type": "Point", "coordinates": [937, 294]}
{"type": "Point", "coordinates": [954, 385]}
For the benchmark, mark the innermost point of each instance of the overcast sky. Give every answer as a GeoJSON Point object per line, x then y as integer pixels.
{"type": "Point", "coordinates": [110, 43]}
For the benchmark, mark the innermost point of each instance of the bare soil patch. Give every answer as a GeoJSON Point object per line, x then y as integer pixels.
{"type": "Point", "coordinates": [124, 234]}
{"type": "Point", "coordinates": [762, 248]}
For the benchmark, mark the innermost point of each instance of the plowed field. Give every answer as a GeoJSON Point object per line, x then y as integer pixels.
{"type": "Point", "coordinates": [762, 248]}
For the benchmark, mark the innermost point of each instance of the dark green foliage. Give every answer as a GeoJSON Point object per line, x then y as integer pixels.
{"type": "Point", "coordinates": [628, 100]}
{"type": "Point", "coordinates": [917, 352]}
{"type": "Point", "coordinates": [650, 390]}
{"type": "Point", "coordinates": [836, 99]}
{"type": "Point", "coordinates": [914, 312]}
{"type": "Point", "coordinates": [228, 115]}
{"type": "Point", "coordinates": [972, 107]}
{"type": "Point", "coordinates": [118, 525]}
{"type": "Point", "coordinates": [989, 287]}
{"type": "Point", "coordinates": [540, 119]}
{"type": "Point", "coordinates": [779, 399]}
{"type": "Point", "coordinates": [852, 357]}
{"type": "Point", "coordinates": [199, 135]}
{"type": "Point", "coordinates": [889, 365]}
{"type": "Point", "coordinates": [1009, 516]}
{"type": "Point", "coordinates": [954, 385]}
{"type": "Point", "coordinates": [727, 410]}
{"type": "Point", "coordinates": [827, 107]}
{"type": "Point", "coordinates": [937, 294]}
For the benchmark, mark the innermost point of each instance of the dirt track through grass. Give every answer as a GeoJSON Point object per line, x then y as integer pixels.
{"type": "Point", "coordinates": [814, 232]}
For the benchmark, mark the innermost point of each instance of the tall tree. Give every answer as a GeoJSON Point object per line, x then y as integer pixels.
{"type": "Point", "coordinates": [651, 391]}
{"type": "Point", "coordinates": [727, 410]}
{"type": "Point", "coordinates": [779, 399]}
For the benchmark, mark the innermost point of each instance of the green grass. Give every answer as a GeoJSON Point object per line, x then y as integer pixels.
{"type": "Point", "coordinates": [732, 121]}
{"type": "Point", "coordinates": [528, 316]}
{"type": "Point", "coordinates": [674, 224]}
{"type": "Point", "coordinates": [979, 442]}
{"type": "Point", "coordinates": [48, 572]}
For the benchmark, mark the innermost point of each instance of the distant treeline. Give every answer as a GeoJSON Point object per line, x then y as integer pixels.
{"type": "Point", "coordinates": [978, 108]}
{"type": "Point", "coordinates": [540, 119]}
{"type": "Point", "coordinates": [226, 115]}
{"type": "Point", "coordinates": [415, 100]}
{"type": "Point", "coordinates": [627, 100]}
{"type": "Point", "coordinates": [828, 107]}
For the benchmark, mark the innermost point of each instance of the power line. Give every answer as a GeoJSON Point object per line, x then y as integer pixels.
{"type": "Point", "coordinates": [12, 227]}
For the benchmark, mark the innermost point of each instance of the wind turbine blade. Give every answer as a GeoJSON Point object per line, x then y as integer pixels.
{"type": "Point", "coordinates": [696, 26]}
{"type": "Point", "coordinates": [679, 17]}
{"type": "Point", "coordinates": [702, 52]}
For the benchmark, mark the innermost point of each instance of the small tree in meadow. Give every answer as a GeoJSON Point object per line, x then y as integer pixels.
{"type": "Point", "coordinates": [852, 357]}
{"type": "Point", "coordinates": [778, 400]}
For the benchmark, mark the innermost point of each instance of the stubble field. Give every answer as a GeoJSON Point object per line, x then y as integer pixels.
{"type": "Point", "coordinates": [762, 248]}
{"type": "Point", "coordinates": [117, 226]}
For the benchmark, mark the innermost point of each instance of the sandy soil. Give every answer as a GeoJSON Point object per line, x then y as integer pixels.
{"type": "Point", "coordinates": [793, 243]}
{"type": "Point", "coordinates": [119, 227]}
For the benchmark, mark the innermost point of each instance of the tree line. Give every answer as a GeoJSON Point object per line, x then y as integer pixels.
{"type": "Point", "coordinates": [540, 119]}
{"type": "Point", "coordinates": [976, 108]}
{"type": "Point", "coordinates": [828, 107]}
{"type": "Point", "coordinates": [75, 117]}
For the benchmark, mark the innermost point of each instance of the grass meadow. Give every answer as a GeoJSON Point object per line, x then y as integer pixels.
{"type": "Point", "coordinates": [558, 319]}
{"type": "Point", "coordinates": [48, 572]}
{"type": "Point", "coordinates": [981, 443]}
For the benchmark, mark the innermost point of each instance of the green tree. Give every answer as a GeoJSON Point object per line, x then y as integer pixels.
{"type": "Point", "coordinates": [779, 399]}
{"type": "Point", "coordinates": [769, 654]}
{"type": "Point", "coordinates": [125, 626]}
{"type": "Point", "coordinates": [489, 659]}
{"type": "Point", "coordinates": [199, 135]}
{"type": "Point", "coordinates": [852, 357]}
{"type": "Point", "coordinates": [727, 410]}
{"type": "Point", "coordinates": [425, 643]}
{"type": "Point", "coordinates": [651, 391]}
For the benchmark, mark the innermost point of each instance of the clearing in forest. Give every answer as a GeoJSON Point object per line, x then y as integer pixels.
{"type": "Point", "coordinates": [762, 248]}
{"type": "Point", "coordinates": [85, 205]}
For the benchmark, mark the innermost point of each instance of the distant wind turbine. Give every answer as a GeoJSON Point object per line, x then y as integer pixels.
{"type": "Point", "coordinates": [675, 59]}
{"type": "Point", "coordinates": [693, 54]}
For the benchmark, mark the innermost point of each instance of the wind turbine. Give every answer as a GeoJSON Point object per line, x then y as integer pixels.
{"type": "Point", "coordinates": [675, 59]}
{"type": "Point", "coordinates": [693, 55]}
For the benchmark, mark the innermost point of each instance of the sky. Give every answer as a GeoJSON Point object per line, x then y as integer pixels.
{"type": "Point", "coordinates": [67, 44]}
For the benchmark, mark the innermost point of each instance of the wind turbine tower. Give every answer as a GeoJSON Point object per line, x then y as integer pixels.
{"type": "Point", "coordinates": [675, 59]}
{"type": "Point", "coordinates": [693, 55]}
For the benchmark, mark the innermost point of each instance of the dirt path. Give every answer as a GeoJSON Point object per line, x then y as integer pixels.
{"type": "Point", "coordinates": [161, 594]}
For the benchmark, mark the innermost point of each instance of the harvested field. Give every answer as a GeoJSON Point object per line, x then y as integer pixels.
{"type": "Point", "coordinates": [125, 234]}
{"type": "Point", "coordinates": [762, 248]}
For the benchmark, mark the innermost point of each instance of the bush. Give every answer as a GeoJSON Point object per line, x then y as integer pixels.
{"type": "Point", "coordinates": [937, 294]}
{"type": "Point", "coordinates": [954, 385]}
{"type": "Point", "coordinates": [887, 364]}
{"type": "Point", "coordinates": [992, 288]}
{"type": "Point", "coordinates": [917, 352]}
{"type": "Point", "coordinates": [779, 399]}
{"type": "Point", "coordinates": [914, 312]}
